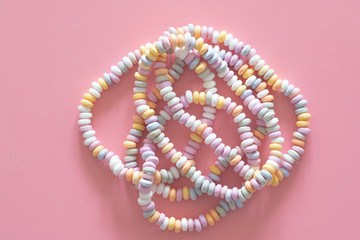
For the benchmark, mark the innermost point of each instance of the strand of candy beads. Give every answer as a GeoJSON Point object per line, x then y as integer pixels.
{"type": "Point", "coordinates": [188, 44]}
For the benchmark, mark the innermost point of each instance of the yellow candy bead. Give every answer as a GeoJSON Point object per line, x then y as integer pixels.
{"type": "Point", "coordinates": [161, 57]}
{"type": "Point", "coordinates": [197, 31]}
{"type": "Point", "coordinates": [142, 49]}
{"type": "Point", "coordinates": [148, 113]}
{"type": "Point", "coordinates": [214, 169]}
{"type": "Point", "coordinates": [167, 147]}
{"type": "Point", "coordinates": [220, 103]}
{"type": "Point", "coordinates": [143, 66]}
{"type": "Point", "coordinates": [180, 40]}
{"type": "Point", "coordinates": [248, 73]}
{"type": "Point", "coordinates": [199, 43]}
{"type": "Point", "coordinates": [209, 219]}
{"type": "Point", "coordinates": [280, 175]}
{"type": "Point", "coordinates": [136, 177]}
{"type": "Point", "coordinates": [302, 124]}
{"type": "Point", "coordinates": [150, 56]}
{"type": "Point", "coordinates": [243, 69]}
{"type": "Point", "coordinates": [138, 126]}
{"type": "Point", "coordinates": [161, 71]}
{"type": "Point", "coordinates": [275, 181]}
{"type": "Point", "coordinates": [154, 217]}
{"type": "Point", "coordinates": [129, 144]}
{"type": "Point", "coordinates": [153, 50]}
{"type": "Point", "coordinates": [172, 195]}
{"type": "Point", "coordinates": [196, 97]}
{"type": "Point", "coordinates": [240, 90]}
{"type": "Point", "coordinates": [138, 119]}
{"type": "Point", "coordinates": [185, 193]}
{"type": "Point", "coordinates": [277, 85]}
{"type": "Point", "coordinates": [273, 79]}
{"type": "Point", "coordinates": [129, 174]}
{"type": "Point", "coordinates": [177, 226]}
{"type": "Point", "coordinates": [97, 150]}
{"type": "Point", "coordinates": [86, 103]}
{"type": "Point", "coordinates": [175, 157]}
{"type": "Point", "coordinates": [137, 96]}
{"type": "Point", "coordinates": [276, 153]}
{"type": "Point", "coordinates": [200, 68]}
{"type": "Point", "coordinates": [304, 116]}
{"type": "Point", "coordinates": [269, 168]}
{"type": "Point", "coordinates": [89, 97]}
{"type": "Point", "coordinates": [173, 40]}
{"type": "Point", "coordinates": [180, 30]}
{"type": "Point", "coordinates": [140, 77]}
{"type": "Point", "coordinates": [195, 137]}
{"type": "Point", "coordinates": [103, 83]}
{"type": "Point", "coordinates": [171, 223]}
{"type": "Point", "coordinates": [202, 98]}
{"type": "Point", "coordinates": [203, 49]}
{"type": "Point", "coordinates": [275, 146]}
{"type": "Point", "coordinates": [222, 36]}
{"type": "Point", "coordinates": [237, 110]}
{"type": "Point", "coordinates": [263, 70]}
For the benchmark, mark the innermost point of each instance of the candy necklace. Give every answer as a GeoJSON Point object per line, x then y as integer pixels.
{"type": "Point", "coordinates": [256, 75]}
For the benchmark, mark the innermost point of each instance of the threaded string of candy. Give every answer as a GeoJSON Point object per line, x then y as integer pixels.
{"type": "Point", "coordinates": [246, 74]}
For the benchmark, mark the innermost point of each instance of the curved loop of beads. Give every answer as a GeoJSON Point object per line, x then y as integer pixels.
{"type": "Point", "coordinates": [246, 74]}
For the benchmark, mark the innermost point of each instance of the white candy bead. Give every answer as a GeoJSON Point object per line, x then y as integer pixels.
{"type": "Point", "coordinates": [132, 57]}
{"type": "Point", "coordinates": [195, 125]}
{"type": "Point", "coordinates": [94, 92]}
{"type": "Point", "coordinates": [89, 140]}
{"type": "Point", "coordinates": [89, 133]}
{"type": "Point", "coordinates": [84, 121]}
{"type": "Point", "coordinates": [188, 96]}
{"type": "Point", "coordinates": [215, 37]}
{"type": "Point", "coordinates": [85, 115]}
{"type": "Point", "coordinates": [175, 172]}
{"type": "Point", "coordinates": [214, 100]}
{"type": "Point", "coordinates": [210, 138]}
{"type": "Point", "coordinates": [81, 108]}
{"type": "Point", "coordinates": [97, 86]}
{"type": "Point", "coordinates": [233, 43]}
{"type": "Point", "coordinates": [116, 70]}
{"type": "Point", "coordinates": [190, 121]}
{"type": "Point", "coordinates": [228, 39]}
{"type": "Point", "coordinates": [259, 65]}
{"type": "Point", "coordinates": [166, 192]}
{"type": "Point", "coordinates": [254, 60]}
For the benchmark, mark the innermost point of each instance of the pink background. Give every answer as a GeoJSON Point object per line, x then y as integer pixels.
{"type": "Point", "coordinates": [50, 51]}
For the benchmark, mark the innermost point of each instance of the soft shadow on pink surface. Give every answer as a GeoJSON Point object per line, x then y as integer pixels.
{"type": "Point", "coordinates": [51, 51]}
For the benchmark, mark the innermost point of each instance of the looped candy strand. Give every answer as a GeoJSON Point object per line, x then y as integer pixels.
{"type": "Point", "coordinates": [209, 53]}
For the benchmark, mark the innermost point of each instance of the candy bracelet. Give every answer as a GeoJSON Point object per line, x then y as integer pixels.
{"type": "Point", "coordinates": [179, 41]}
